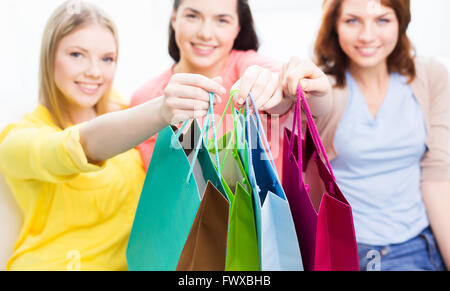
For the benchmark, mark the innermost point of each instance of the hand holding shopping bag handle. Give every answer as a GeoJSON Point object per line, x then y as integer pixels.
{"type": "Point", "coordinates": [315, 133]}
{"type": "Point", "coordinates": [323, 217]}
{"type": "Point", "coordinates": [297, 124]}
{"type": "Point", "coordinates": [277, 239]}
{"type": "Point", "coordinates": [209, 119]}
{"type": "Point", "coordinates": [186, 96]}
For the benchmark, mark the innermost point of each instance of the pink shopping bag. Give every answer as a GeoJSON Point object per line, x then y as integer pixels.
{"type": "Point", "coordinates": [322, 216]}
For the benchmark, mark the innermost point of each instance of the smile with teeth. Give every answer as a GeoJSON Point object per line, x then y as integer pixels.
{"type": "Point", "coordinates": [203, 49]}
{"type": "Point", "coordinates": [88, 88]}
{"type": "Point", "coordinates": [367, 51]}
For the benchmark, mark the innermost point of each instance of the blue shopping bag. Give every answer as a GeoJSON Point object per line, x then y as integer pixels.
{"type": "Point", "coordinates": [277, 238]}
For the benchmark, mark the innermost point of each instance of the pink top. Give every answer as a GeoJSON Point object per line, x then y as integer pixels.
{"type": "Point", "coordinates": [236, 66]}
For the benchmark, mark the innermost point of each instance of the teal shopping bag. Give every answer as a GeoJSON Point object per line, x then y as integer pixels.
{"type": "Point", "coordinates": [177, 177]}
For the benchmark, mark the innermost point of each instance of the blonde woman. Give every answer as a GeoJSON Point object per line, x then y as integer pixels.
{"type": "Point", "coordinates": [71, 163]}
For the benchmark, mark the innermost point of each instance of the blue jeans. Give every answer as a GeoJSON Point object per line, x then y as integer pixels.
{"type": "Point", "coordinates": [418, 254]}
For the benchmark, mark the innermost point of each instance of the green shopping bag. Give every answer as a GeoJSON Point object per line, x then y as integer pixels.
{"type": "Point", "coordinates": [242, 247]}
{"type": "Point", "coordinates": [178, 175]}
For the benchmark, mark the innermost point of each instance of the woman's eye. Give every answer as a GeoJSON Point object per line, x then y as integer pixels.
{"type": "Point", "coordinates": [191, 16]}
{"type": "Point", "coordinates": [108, 60]}
{"type": "Point", "coordinates": [76, 55]}
{"type": "Point", "coordinates": [351, 21]}
{"type": "Point", "coordinates": [223, 20]}
{"type": "Point", "coordinates": [383, 20]}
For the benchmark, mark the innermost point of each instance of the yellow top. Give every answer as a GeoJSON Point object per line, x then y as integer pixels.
{"type": "Point", "coordinates": [77, 215]}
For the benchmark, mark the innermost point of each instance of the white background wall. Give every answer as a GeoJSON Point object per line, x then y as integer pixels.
{"type": "Point", "coordinates": [286, 28]}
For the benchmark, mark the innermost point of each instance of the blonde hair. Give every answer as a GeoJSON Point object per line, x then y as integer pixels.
{"type": "Point", "coordinates": [67, 17]}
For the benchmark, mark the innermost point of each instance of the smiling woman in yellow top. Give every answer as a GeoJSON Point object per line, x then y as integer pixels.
{"type": "Point", "coordinates": [71, 164]}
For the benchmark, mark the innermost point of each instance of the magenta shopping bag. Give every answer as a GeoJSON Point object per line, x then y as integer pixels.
{"type": "Point", "coordinates": [322, 216]}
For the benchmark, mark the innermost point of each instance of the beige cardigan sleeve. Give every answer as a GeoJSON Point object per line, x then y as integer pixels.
{"type": "Point", "coordinates": [436, 162]}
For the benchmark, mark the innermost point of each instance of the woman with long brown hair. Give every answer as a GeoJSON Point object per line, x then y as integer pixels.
{"type": "Point", "coordinates": [387, 133]}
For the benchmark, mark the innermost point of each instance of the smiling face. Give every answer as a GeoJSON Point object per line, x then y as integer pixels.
{"type": "Point", "coordinates": [205, 32]}
{"type": "Point", "coordinates": [368, 33]}
{"type": "Point", "coordinates": [85, 64]}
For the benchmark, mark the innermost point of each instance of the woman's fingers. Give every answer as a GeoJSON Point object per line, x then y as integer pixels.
{"type": "Point", "coordinates": [311, 78]}
{"type": "Point", "coordinates": [194, 88]}
{"type": "Point", "coordinates": [183, 115]}
{"type": "Point", "coordinates": [273, 101]}
{"type": "Point", "coordinates": [264, 87]}
{"type": "Point", "coordinates": [246, 84]}
{"type": "Point", "coordinates": [218, 98]}
{"type": "Point", "coordinates": [317, 87]}
{"type": "Point", "coordinates": [188, 96]}
{"type": "Point", "coordinates": [271, 86]}
{"type": "Point", "coordinates": [189, 92]}
{"type": "Point", "coordinates": [187, 104]}
{"type": "Point", "coordinates": [202, 82]}
{"type": "Point", "coordinates": [296, 72]}
{"type": "Point", "coordinates": [261, 82]}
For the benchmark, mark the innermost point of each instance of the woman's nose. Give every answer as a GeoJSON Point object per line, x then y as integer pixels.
{"type": "Point", "coordinates": [368, 33]}
{"type": "Point", "coordinates": [93, 70]}
{"type": "Point", "coordinates": [206, 31]}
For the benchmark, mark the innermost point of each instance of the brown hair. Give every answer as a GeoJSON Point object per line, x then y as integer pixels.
{"type": "Point", "coordinates": [247, 38]}
{"type": "Point", "coordinates": [332, 59]}
{"type": "Point", "coordinates": [61, 23]}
